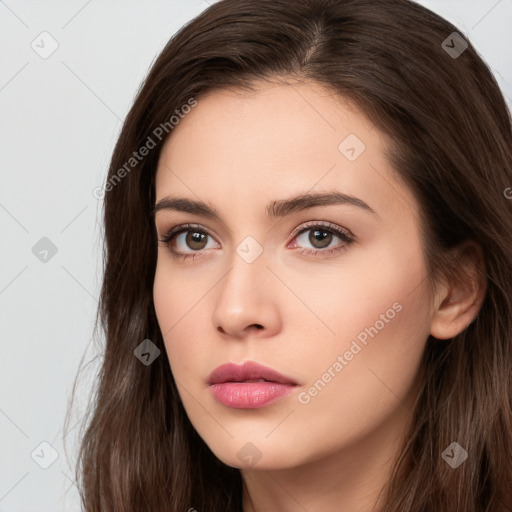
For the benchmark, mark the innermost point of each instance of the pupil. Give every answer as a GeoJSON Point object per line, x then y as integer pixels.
{"type": "Point", "coordinates": [320, 236]}
{"type": "Point", "coordinates": [195, 238]}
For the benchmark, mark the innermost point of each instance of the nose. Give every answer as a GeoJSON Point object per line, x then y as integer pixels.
{"type": "Point", "coordinates": [246, 302]}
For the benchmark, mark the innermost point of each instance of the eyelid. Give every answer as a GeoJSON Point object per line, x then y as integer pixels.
{"type": "Point", "coordinates": [322, 224]}
{"type": "Point", "coordinates": [180, 228]}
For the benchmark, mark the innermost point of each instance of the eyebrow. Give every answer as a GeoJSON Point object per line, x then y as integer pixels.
{"type": "Point", "coordinates": [274, 210]}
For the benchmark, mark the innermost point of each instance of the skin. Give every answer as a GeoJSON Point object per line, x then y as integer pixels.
{"type": "Point", "coordinates": [237, 152]}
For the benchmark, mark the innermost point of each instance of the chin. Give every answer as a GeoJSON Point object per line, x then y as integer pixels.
{"type": "Point", "coordinates": [265, 456]}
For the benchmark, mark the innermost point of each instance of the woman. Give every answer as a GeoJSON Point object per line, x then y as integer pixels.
{"type": "Point", "coordinates": [306, 293]}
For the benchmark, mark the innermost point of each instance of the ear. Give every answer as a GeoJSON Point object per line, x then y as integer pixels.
{"type": "Point", "coordinates": [459, 298]}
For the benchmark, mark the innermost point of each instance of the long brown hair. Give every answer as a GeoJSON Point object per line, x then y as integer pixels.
{"type": "Point", "coordinates": [451, 139]}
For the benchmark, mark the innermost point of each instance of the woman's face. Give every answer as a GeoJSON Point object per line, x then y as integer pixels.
{"type": "Point", "coordinates": [331, 293]}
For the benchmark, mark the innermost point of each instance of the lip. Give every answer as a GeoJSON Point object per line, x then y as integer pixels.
{"type": "Point", "coordinates": [249, 385]}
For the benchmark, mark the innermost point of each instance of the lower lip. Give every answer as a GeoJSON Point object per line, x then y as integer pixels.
{"type": "Point", "coordinates": [249, 395]}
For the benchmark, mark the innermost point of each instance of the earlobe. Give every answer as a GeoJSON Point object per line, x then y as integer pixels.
{"type": "Point", "coordinates": [460, 299]}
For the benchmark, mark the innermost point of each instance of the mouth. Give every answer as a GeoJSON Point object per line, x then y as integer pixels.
{"type": "Point", "coordinates": [248, 386]}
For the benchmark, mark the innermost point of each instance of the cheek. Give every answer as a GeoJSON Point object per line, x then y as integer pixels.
{"type": "Point", "coordinates": [177, 294]}
{"type": "Point", "coordinates": [355, 388]}
{"type": "Point", "coordinates": [164, 298]}
{"type": "Point", "coordinates": [379, 312]}
{"type": "Point", "coordinates": [361, 290]}
{"type": "Point", "coordinates": [174, 302]}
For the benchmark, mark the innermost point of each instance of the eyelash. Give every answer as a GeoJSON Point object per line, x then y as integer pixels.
{"type": "Point", "coordinates": [172, 233]}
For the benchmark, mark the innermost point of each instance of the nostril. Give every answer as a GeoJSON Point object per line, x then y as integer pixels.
{"type": "Point", "coordinates": [223, 331]}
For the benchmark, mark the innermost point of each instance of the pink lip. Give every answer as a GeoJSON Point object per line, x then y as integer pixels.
{"type": "Point", "coordinates": [234, 385]}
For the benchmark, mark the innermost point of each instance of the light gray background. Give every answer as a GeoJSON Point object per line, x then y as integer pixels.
{"type": "Point", "coordinates": [60, 119]}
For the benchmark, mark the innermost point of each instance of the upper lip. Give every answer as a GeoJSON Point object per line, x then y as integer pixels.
{"type": "Point", "coordinates": [249, 370]}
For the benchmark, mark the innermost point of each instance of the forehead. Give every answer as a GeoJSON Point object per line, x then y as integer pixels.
{"type": "Point", "coordinates": [276, 123]}
{"type": "Point", "coordinates": [278, 141]}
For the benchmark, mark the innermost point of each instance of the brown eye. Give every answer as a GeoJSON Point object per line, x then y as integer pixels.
{"type": "Point", "coordinates": [196, 240]}
{"type": "Point", "coordinates": [187, 241]}
{"type": "Point", "coordinates": [320, 238]}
